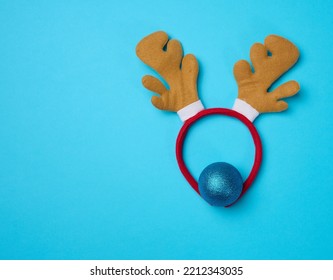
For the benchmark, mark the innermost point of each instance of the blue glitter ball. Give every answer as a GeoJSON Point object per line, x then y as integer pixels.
{"type": "Point", "coordinates": [220, 184]}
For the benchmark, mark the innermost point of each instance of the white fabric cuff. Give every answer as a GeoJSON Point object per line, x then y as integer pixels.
{"type": "Point", "coordinates": [245, 109]}
{"type": "Point", "coordinates": [190, 111]}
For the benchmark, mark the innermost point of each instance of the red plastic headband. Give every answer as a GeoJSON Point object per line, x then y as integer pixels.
{"type": "Point", "coordinates": [218, 111]}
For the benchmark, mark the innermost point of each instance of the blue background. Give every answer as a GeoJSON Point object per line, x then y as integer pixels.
{"type": "Point", "coordinates": [87, 164]}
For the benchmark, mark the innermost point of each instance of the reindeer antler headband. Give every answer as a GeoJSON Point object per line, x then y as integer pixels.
{"type": "Point", "coordinates": [219, 183]}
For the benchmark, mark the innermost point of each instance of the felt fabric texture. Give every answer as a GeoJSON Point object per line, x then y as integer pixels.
{"type": "Point", "coordinates": [190, 110]}
{"type": "Point", "coordinates": [180, 73]}
{"type": "Point", "coordinates": [245, 109]}
{"type": "Point", "coordinates": [252, 87]}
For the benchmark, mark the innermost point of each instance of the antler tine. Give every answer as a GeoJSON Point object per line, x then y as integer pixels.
{"type": "Point", "coordinates": [179, 72]}
{"type": "Point", "coordinates": [252, 87]}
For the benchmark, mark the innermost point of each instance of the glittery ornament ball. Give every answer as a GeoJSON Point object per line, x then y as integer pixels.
{"type": "Point", "coordinates": [220, 184]}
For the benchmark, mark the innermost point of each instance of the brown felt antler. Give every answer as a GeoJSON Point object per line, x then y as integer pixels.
{"type": "Point", "coordinates": [179, 72]}
{"type": "Point", "coordinates": [252, 87]}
